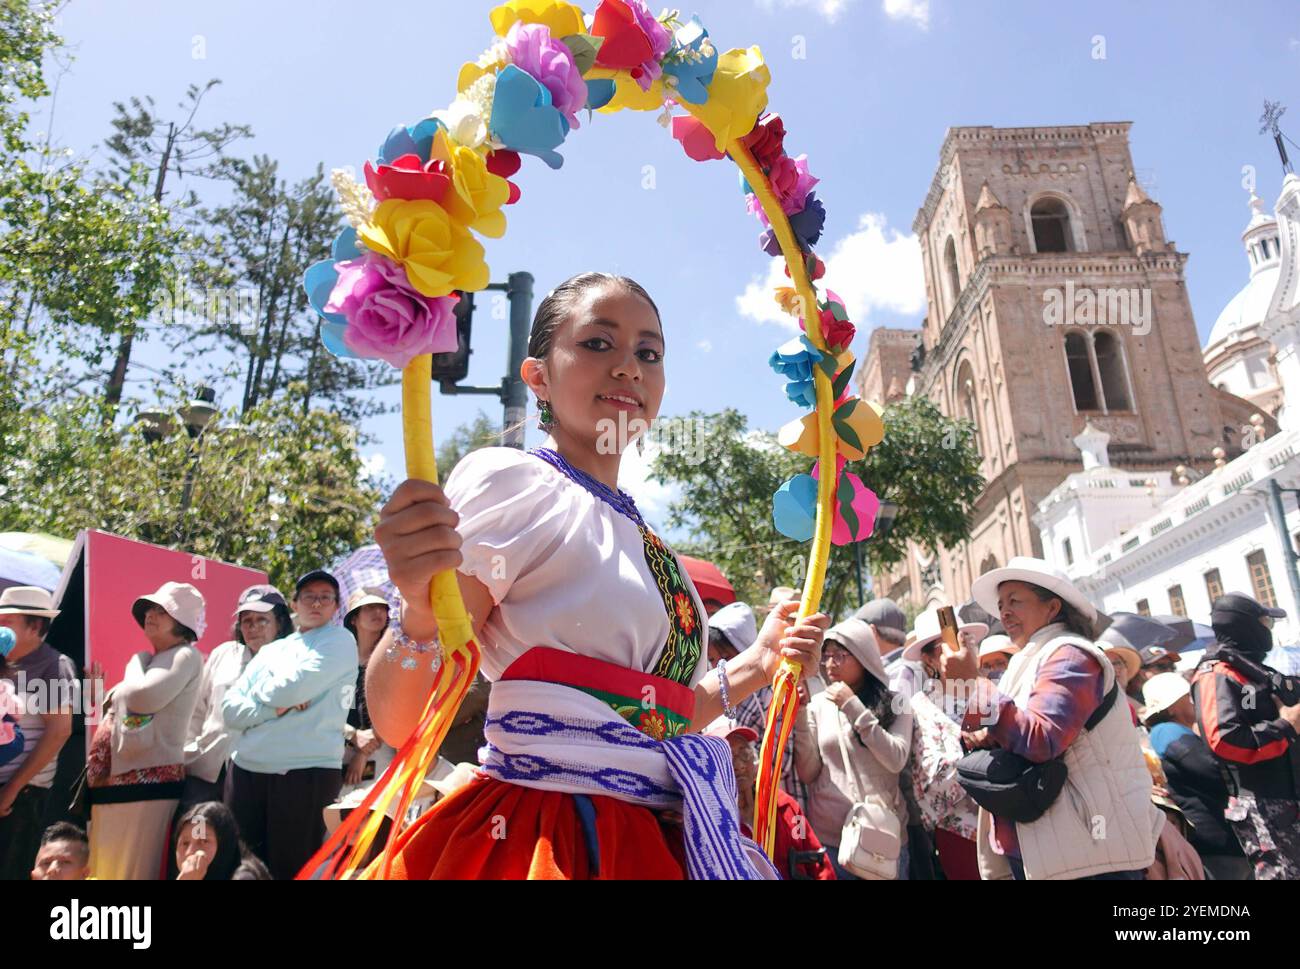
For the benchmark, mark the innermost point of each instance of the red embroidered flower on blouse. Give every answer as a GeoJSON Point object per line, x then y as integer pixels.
{"type": "Point", "coordinates": [685, 612]}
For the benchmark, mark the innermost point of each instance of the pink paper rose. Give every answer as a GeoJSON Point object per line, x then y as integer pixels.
{"type": "Point", "coordinates": [388, 318]}
{"type": "Point", "coordinates": [549, 62]}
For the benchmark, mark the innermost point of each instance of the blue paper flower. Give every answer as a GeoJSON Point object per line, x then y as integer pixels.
{"type": "Point", "coordinates": [410, 140]}
{"type": "Point", "coordinates": [523, 118]}
{"type": "Point", "coordinates": [807, 225]}
{"type": "Point", "coordinates": [692, 61]}
{"type": "Point", "coordinates": [319, 281]}
{"type": "Point", "coordinates": [795, 361]}
{"type": "Point", "coordinates": [794, 507]}
{"type": "Point", "coordinates": [600, 91]}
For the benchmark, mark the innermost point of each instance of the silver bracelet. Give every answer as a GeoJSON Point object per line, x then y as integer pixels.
{"type": "Point", "coordinates": [728, 710]}
{"type": "Point", "coordinates": [401, 642]}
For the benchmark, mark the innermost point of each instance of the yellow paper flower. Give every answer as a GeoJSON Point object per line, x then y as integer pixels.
{"type": "Point", "coordinates": [737, 95]}
{"type": "Point", "coordinates": [863, 419]}
{"type": "Point", "coordinates": [787, 297]}
{"type": "Point", "coordinates": [563, 18]}
{"type": "Point", "coordinates": [627, 92]}
{"type": "Point", "coordinates": [476, 194]}
{"type": "Point", "coordinates": [438, 253]}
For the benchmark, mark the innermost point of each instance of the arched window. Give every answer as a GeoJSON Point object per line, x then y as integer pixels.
{"type": "Point", "coordinates": [989, 563]}
{"type": "Point", "coordinates": [1078, 359]}
{"type": "Point", "coordinates": [950, 267]}
{"type": "Point", "coordinates": [1051, 221]}
{"type": "Point", "coordinates": [1110, 366]}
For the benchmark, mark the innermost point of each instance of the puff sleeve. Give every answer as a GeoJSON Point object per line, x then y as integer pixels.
{"type": "Point", "coordinates": [512, 514]}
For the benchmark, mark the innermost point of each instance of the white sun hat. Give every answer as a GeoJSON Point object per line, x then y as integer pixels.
{"type": "Point", "coordinates": [1024, 568]}
{"type": "Point", "coordinates": [180, 600]}
{"type": "Point", "coordinates": [927, 631]}
{"type": "Point", "coordinates": [997, 644]}
{"type": "Point", "coordinates": [1162, 691]}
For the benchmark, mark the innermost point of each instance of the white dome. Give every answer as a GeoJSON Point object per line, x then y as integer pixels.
{"type": "Point", "coordinates": [1247, 309]}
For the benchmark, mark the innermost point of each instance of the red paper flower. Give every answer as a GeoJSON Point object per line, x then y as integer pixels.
{"type": "Point", "coordinates": [696, 139]}
{"type": "Point", "coordinates": [766, 142]}
{"type": "Point", "coordinates": [838, 334]}
{"type": "Point", "coordinates": [408, 178]}
{"type": "Point", "coordinates": [503, 163]}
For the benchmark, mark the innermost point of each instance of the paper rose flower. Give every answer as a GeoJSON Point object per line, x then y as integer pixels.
{"type": "Point", "coordinates": [466, 120]}
{"type": "Point", "coordinates": [561, 18]}
{"type": "Point", "coordinates": [523, 118]}
{"type": "Point", "coordinates": [408, 178]}
{"type": "Point", "coordinates": [476, 194]}
{"type": "Point", "coordinates": [548, 61]}
{"type": "Point", "coordinates": [504, 163]}
{"type": "Point", "coordinates": [767, 141]}
{"type": "Point", "coordinates": [387, 318]}
{"type": "Point", "coordinates": [795, 360]}
{"type": "Point", "coordinates": [856, 506]}
{"type": "Point", "coordinates": [634, 41]}
{"type": "Point", "coordinates": [409, 140]}
{"type": "Point", "coordinates": [807, 226]}
{"type": "Point", "coordinates": [696, 140]}
{"type": "Point", "coordinates": [837, 331]}
{"type": "Point", "coordinates": [737, 94]}
{"type": "Point", "coordinates": [691, 62]}
{"type": "Point", "coordinates": [438, 253]}
{"type": "Point", "coordinates": [791, 183]}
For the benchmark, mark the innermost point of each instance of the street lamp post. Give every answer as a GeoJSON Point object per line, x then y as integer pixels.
{"type": "Point", "coordinates": [197, 416]}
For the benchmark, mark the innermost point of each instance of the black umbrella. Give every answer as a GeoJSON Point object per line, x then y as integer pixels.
{"type": "Point", "coordinates": [1185, 632]}
{"type": "Point", "coordinates": [1136, 632]}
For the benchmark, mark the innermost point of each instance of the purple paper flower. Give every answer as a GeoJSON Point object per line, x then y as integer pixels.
{"type": "Point", "coordinates": [807, 226]}
{"type": "Point", "coordinates": [550, 62]}
{"type": "Point", "coordinates": [388, 319]}
{"type": "Point", "coordinates": [660, 40]}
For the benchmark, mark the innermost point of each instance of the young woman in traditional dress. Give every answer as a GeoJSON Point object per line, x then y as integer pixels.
{"type": "Point", "coordinates": [592, 634]}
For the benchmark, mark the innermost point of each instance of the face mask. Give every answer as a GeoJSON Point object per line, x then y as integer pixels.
{"type": "Point", "coordinates": [995, 675]}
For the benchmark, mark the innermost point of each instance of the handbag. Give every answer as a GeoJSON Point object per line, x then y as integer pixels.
{"type": "Point", "coordinates": [1015, 789]}
{"type": "Point", "coordinates": [871, 838]}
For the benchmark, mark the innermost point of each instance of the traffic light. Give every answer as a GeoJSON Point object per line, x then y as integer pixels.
{"type": "Point", "coordinates": [453, 367]}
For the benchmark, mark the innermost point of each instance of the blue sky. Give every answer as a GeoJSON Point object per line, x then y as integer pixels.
{"type": "Point", "coordinates": [880, 82]}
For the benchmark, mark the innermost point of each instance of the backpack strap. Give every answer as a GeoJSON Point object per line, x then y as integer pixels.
{"type": "Point", "coordinates": [1107, 702]}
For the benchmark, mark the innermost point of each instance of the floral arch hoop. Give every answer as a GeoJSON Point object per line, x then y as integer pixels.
{"type": "Point", "coordinates": [410, 249]}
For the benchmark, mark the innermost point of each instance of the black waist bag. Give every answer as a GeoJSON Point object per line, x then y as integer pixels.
{"type": "Point", "coordinates": [1015, 789]}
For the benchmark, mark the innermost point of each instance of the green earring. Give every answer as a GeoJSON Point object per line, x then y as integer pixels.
{"type": "Point", "coordinates": [544, 417]}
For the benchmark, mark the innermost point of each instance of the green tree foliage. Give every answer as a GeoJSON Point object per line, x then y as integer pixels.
{"type": "Point", "coordinates": [279, 490]}
{"type": "Point", "coordinates": [480, 432]}
{"type": "Point", "coordinates": [724, 484]}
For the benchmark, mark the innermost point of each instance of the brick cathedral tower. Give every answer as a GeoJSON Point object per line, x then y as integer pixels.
{"type": "Point", "coordinates": [1053, 299]}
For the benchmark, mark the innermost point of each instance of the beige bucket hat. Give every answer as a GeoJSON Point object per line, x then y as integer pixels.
{"type": "Point", "coordinates": [180, 600]}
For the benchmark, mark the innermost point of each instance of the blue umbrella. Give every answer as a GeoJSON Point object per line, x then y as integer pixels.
{"type": "Point", "coordinates": [23, 568]}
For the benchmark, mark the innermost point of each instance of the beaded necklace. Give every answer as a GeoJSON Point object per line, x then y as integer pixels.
{"type": "Point", "coordinates": [619, 500]}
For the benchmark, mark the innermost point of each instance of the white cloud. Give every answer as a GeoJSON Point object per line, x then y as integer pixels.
{"type": "Point", "coordinates": [1294, 43]}
{"type": "Point", "coordinates": [705, 346]}
{"type": "Point", "coordinates": [372, 465]}
{"type": "Point", "coordinates": [917, 11]}
{"type": "Point", "coordinates": [830, 9]}
{"type": "Point", "coordinates": [874, 270]}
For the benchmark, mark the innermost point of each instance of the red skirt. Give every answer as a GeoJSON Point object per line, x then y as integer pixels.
{"type": "Point", "coordinates": [496, 830]}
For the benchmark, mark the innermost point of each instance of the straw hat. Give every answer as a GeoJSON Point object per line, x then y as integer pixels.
{"type": "Point", "coordinates": [927, 631]}
{"type": "Point", "coordinates": [365, 597]}
{"type": "Point", "coordinates": [27, 600]}
{"type": "Point", "coordinates": [1124, 654]}
{"type": "Point", "coordinates": [180, 600]}
{"type": "Point", "coordinates": [1023, 568]}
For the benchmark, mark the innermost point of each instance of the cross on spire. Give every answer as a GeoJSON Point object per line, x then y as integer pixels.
{"type": "Point", "coordinates": [1268, 124]}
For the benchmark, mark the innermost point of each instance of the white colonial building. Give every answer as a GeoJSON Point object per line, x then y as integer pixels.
{"type": "Point", "coordinates": [1172, 542]}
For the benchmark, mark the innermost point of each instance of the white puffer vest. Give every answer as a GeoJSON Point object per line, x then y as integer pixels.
{"type": "Point", "coordinates": [1104, 819]}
